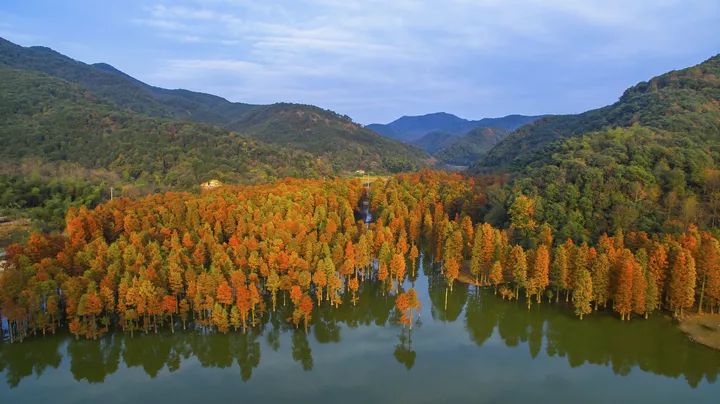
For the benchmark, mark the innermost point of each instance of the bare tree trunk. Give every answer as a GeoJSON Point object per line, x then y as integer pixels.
{"type": "Point", "coordinates": [702, 295]}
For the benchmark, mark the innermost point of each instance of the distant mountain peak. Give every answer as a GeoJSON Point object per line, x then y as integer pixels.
{"type": "Point", "coordinates": [410, 129]}
{"type": "Point", "coordinates": [430, 115]}
{"type": "Point", "coordinates": [106, 67]}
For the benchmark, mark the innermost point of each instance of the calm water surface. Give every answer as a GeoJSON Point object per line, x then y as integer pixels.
{"type": "Point", "coordinates": [481, 349]}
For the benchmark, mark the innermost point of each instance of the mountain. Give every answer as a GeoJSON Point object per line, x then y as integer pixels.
{"type": "Point", "coordinates": [45, 119]}
{"type": "Point", "coordinates": [467, 149]}
{"type": "Point", "coordinates": [434, 141]}
{"type": "Point", "coordinates": [508, 122]}
{"type": "Point", "coordinates": [683, 101]}
{"type": "Point", "coordinates": [323, 133]}
{"type": "Point", "coordinates": [346, 144]}
{"type": "Point", "coordinates": [460, 150]}
{"type": "Point", "coordinates": [411, 128]}
{"type": "Point", "coordinates": [125, 91]}
{"type": "Point", "coordinates": [648, 162]}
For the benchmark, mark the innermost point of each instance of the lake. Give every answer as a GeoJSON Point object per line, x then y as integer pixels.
{"type": "Point", "coordinates": [479, 349]}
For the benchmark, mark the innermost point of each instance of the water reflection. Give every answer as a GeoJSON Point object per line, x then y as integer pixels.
{"type": "Point", "coordinates": [403, 350]}
{"type": "Point", "coordinates": [653, 346]}
{"type": "Point", "coordinates": [94, 360]}
{"type": "Point", "coordinates": [18, 362]}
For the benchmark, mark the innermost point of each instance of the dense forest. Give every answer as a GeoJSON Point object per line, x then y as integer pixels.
{"type": "Point", "coordinates": [646, 163]}
{"type": "Point", "coordinates": [683, 102]}
{"type": "Point", "coordinates": [632, 179]}
{"type": "Point", "coordinates": [613, 210]}
{"type": "Point", "coordinates": [101, 128]}
{"type": "Point", "coordinates": [225, 259]}
{"type": "Point", "coordinates": [54, 121]}
{"type": "Point", "coordinates": [46, 200]}
{"type": "Point", "coordinates": [64, 147]}
{"type": "Point", "coordinates": [449, 139]}
{"type": "Point", "coordinates": [332, 138]}
{"type": "Point", "coordinates": [469, 148]}
{"type": "Point", "coordinates": [556, 241]}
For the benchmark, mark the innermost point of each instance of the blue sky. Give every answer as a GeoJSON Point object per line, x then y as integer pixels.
{"type": "Point", "coordinates": [378, 60]}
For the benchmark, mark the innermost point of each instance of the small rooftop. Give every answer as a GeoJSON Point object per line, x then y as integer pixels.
{"type": "Point", "coordinates": [212, 184]}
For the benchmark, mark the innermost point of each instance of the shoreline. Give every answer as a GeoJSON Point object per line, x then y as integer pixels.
{"type": "Point", "coordinates": [700, 328]}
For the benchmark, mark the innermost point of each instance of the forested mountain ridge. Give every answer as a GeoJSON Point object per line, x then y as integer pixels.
{"type": "Point", "coordinates": [411, 128]}
{"type": "Point", "coordinates": [180, 103]}
{"type": "Point", "coordinates": [467, 149]}
{"type": "Point", "coordinates": [101, 80]}
{"type": "Point", "coordinates": [460, 150]}
{"type": "Point", "coordinates": [55, 121]}
{"type": "Point", "coordinates": [346, 144]}
{"type": "Point", "coordinates": [434, 141]}
{"type": "Point", "coordinates": [648, 162]}
{"type": "Point", "coordinates": [323, 133]}
{"type": "Point", "coordinates": [685, 100]}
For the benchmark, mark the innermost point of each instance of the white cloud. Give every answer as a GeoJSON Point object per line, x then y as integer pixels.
{"type": "Point", "coordinates": [445, 53]}
{"type": "Point", "coordinates": [163, 24]}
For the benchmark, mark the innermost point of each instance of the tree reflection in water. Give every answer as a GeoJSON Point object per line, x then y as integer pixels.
{"type": "Point", "coordinates": [652, 345]}
{"type": "Point", "coordinates": [403, 350]}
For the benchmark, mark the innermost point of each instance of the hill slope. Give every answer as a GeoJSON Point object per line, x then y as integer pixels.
{"type": "Point", "coordinates": [434, 141]}
{"type": "Point", "coordinates": [684, 101]}
{"type": "Point", "coordinates": [411, 128]}
{"type": "Point", "coordinates": [656, 171]}
{"type": "Point", "coordinates": [467, 149]}
{"type": "Point", "coordinates": [52, 120]}
{"type": "Point", "coordinates": [323, 133]}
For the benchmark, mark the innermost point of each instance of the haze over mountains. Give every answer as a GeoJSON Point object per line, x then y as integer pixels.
{"type": "Point", "coordinates": [449, 138]}
{"type": "Point", "coordinates": [469, 148]}
{"type": "Point", "coordinates": [411, 128]}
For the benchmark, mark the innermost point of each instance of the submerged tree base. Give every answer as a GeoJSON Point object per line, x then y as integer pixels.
{"type": "Point", "coordinates": [702, 328]}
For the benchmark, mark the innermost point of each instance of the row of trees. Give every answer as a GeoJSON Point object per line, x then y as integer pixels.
{"type": "Point", "coordinates": [621, 347]}
{"type": "Point", "coordinates": [222, 260]}
{"type": "Point", "coordinates": [219, 260]}
{"type": "Point", "coordinates": [645, 163]}
{"type": "Point", "coordinates": [632, 275]}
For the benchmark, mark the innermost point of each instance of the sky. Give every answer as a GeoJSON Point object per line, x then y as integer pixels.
{"type": "Point", "coordinates": [378, 60]}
